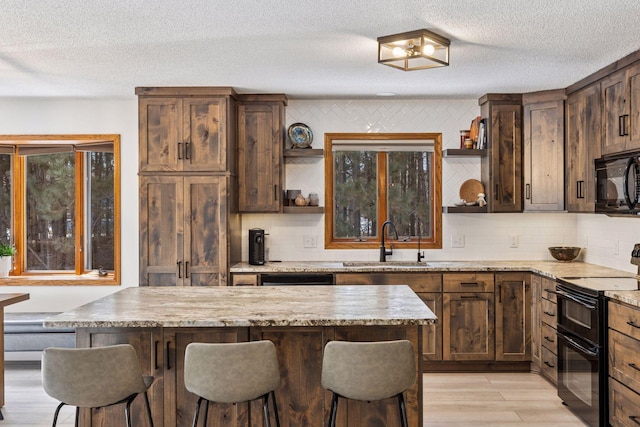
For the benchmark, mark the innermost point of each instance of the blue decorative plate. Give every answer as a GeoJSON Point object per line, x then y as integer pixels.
{"type": "Point", "coordinates": [300, 135]}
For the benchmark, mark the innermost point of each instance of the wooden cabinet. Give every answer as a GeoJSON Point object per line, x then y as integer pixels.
{"type": "Point", "coordinates": [513, 317]}
{"type": "Point", "coordinates": [501, 169]}
{"type": "Point", "coordinates": [548, 322]}
{"type": "Point", "coordinates": [536, 327]}
{"type": "Point", "coordinates": [148, 346]}
{"type": "Point", "coordinates": [621, 119]}
{"type": "Point", "coordinates": [624, 364]}
{"type": "Point", "coordinates": [544, 151]}
{"type": "Point", "coordinates": [468, 317]}
{"type": "Point", "coordinates": [583, 145]}
{"type": "Point", "coordinates": [184, 133]}
{"type": "Point", "coordinates": [184, 231]}
{"type": "Point", "coordinates": [260, 147]}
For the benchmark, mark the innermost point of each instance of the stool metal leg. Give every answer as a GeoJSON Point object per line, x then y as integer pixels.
{"type": "Point", "coordinates": [403, 410]}
{"type": "Point", "coordinates": [55, 415]}
{"type": "Point", "coordinates": [206, 413]}
{"type": "Point", "coordinates": [334, 409]}
{"type": "Point", "coordinates": [275, 408]}
{"type": "Point", "coordinates": [195, 415]}
{"type": "Point", "coordinates": [77, 416]}
{"type": "Point", "coordinates": [265, 410]}
{"type": "Point", "coordinates": [146, 398]}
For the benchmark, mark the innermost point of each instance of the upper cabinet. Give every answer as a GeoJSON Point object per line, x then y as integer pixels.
{"type": "Point", "coordinates": [621, 120]}
{"type": "Point", "coordinates": [583, 145]}
{"type": "Point", "coordinates": [260, 146]}
{"type": "Point", "coordinates": [544, 151]}
{"type": "Point", "coordinates": [185, 129]}
{"type": "Point", "coordinates": [501, 169]}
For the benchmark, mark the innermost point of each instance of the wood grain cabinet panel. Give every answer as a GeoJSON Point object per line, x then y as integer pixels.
{"type": "Point", "coordinates": [513, 317]}
{"type": "Point", "coordinates": [583, 144]}
{"type": "Point", "coordinates": [621, 112]}
{"type": "Point", "coordinates": [468, 282]}
{"type": "Point", "coordinates": [624, 405]}
{"type": "Point", "coordinates": [536, 322]}
{"type": "Point", "coordinates": [468, 326]}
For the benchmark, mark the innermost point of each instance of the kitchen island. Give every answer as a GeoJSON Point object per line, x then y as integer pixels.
{"type": "Point", "coordinates": [160, 322]}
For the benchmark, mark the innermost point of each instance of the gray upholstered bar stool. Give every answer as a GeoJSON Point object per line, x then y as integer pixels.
{"type": "Point", "coordinates": [94, 378]}
{"type": "Point", "coordinates": [368, 371]}
{"type": "Point", "coordinates": [232, 373]}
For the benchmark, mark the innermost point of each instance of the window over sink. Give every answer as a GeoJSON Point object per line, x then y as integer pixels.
{"type": "Point", "coordinates": [376, 177]}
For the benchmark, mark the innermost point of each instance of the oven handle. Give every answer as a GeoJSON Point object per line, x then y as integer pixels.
{"type": "Point", "coordinates": [632, 162]}
{"type": "Point", "coordinates": [575, 344]}
{"type": "Point", "coordinates": [576, 300]}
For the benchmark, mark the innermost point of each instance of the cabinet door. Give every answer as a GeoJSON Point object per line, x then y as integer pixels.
{"type": "Point", "coordinates": [614, 98]}
{"type": "Point", "coordinates": [179, 403]}
{"type": "Point", "coordinates": [633, 121]}
{"type": "Point", "coordinates": [468, 322]}
{"type": "Point", "coordinates": [536, 345]}
{"type": "Point", "coordinates": [513, 317]}
{"type": "Point", "coordinates": [505, 147]}
{"type": "Point", "coordinates": [161, 231]}
{"type": "Point", "coordinates": [544, 156]}
{"type": "Point", "coordinates": [204, 133]}
{"type": "Point", "coordinates": [432, 334]}
{"type": "Point", "coordinates": [160, 134]}
{"type": "Point", "coordinates": [260, 145]}
{"type": "Point", "coordinates": [147, 344]}
{"type": "Point", "coordinates": [583, 145]}
{"type": "Point", "coordinates": [205, 234]}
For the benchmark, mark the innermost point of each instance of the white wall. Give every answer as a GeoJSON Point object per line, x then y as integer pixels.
{"type": "Point", "coordinates": [82, 116]}
{"type": "Point", "coordinates": [486, 236]}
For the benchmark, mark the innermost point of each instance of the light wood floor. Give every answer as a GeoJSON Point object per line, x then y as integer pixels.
{"type": "Point", "coordinates": [494, 399]}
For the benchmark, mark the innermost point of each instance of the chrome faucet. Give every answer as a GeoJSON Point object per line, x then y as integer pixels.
{"type": "Point", "coordinates": [383, 251]}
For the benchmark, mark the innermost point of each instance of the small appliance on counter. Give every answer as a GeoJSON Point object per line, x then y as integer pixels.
{"type": "Point", "coordinates": [256, 246]}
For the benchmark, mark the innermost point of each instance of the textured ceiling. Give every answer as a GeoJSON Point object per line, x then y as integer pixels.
{"type": "Point", "coordinates": [304, 48]}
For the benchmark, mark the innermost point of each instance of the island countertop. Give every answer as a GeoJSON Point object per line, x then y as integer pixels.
{"type": "Point", "coordinates": [250, 306]}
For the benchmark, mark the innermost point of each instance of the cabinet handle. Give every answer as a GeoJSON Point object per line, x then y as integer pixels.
{"type": "Point", "coordinates": [179, 269]}
{"type": "Point", "coordinates": [527, 191]}
{"type": "Point", "coordinates": [179, 150]}
{"type": "Point", "coordinates": [275, 192]}
{"type": "Point", "coordinates": [634, 366]}
{"type": "Point", "coordinates": [496, 193]}
{"type": "Point", "coordinates": [580, 190]}
{"type": "Point", "coordinates": [634, 418]}
{"type": "Point", "coordinates": [500, 292]}
{"type": "Point", "coordinates": [186, 269]}
{"type": "Point", "coordinates": [155, 354]}
{"type": "Point", "coordinates": [631, 323]}
{"type": "Point", "coordinates": [168, 353]}
{"type": "Point", "coordinates": [548, 339]}
{"type": "Point", "coordinates": [549, 314]}
{"type": "Point", "coordinates": [549, 364]}
{"type": "Point", "coordinates": [469, 296]}
{"type": "Point", "coordinates": [620, 125]}
{"type": "Point", "coordinates": [187, 151]}
{"type": "Point", "coordinates": [551, 291]}
{"type": "Point", "coordinates": [626, 125]}
{"type": "Point", "coordinates": [469, 283]}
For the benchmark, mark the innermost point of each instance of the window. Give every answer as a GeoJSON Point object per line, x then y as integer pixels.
{"type": "Point", "coordinates": [373, 178]}
{"type": "Point", "coordinates": [60, 205]}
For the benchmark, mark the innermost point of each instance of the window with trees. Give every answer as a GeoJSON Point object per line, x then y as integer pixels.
{"type": "Point", "coordinates": [60, 207]}
{"type": "Point", "coordinates": [373, 178]}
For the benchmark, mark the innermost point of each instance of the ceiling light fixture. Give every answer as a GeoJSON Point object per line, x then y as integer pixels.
{"type": "Point", "coordinates": [414, 50]}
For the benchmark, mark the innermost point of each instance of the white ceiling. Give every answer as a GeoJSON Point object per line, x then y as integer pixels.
{"type": "Point", "coordinates": [304, 48]}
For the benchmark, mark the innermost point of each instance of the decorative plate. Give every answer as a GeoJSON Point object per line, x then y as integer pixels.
{"type": "Point", "coordinates": [300, 135]}
{"type": "Point", "coordinates": [470, 189]}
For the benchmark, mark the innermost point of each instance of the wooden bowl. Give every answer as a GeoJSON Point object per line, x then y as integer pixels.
{"type": "Point", "coordinates": [565, 253]}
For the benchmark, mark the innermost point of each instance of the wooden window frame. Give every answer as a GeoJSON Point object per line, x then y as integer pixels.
{"type": "Point", "coordinates": [435, 242]}
{"type": "Point", "coordinates": [80, 277]}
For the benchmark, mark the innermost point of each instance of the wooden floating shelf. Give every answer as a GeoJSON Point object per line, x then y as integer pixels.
{"type": "Point", "coordinates": [304, 152]}
{"type": "Point", "coordinates": [303, 209]}
{"type": "Point", "coordinates": [464, 152]}
{"type": "Point", "coordinates": [464, 209]}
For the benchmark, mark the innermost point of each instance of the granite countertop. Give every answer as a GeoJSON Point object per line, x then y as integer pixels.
{"type": "Point", "coordinates": [629, 297]}
{"type": "Point", "coordinates": [251, 306]}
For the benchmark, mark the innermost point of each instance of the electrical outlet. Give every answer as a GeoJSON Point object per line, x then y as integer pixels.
{"type": "Point", "coordinates": [457, 240]}
{"type": "Point", "coordinates": [309, 241]}
{"type": "Point", "coordinates": [513, 240]}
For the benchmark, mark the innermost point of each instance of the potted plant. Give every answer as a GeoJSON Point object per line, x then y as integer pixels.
{"type": "Point", "coordinates": [6, 252]}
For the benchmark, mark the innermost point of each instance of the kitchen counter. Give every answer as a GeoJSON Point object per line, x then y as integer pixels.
{"type": "Point", "coordinates": [628, 297]}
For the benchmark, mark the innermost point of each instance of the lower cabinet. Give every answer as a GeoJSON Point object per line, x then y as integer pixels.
{"type": "Point", "coordinates": [547, 321]}
{"type": "Point", "coordinates": [513, 317]}
{"type": "Point", "coordinates": [467, 320]}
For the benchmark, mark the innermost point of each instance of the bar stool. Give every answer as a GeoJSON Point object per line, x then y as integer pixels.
{"type": "Point", "coordinates": [368, 371]}
{"type": "Point", "coordinates": [94, 378]}
{"type": "Point", "coordinates": [232, 373]}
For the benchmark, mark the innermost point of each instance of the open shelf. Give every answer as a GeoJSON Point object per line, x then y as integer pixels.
{"type": "Point", "coordinates": [464, 152]}
{"type": "Point", "coordinates": [464, 209]}
{"type": "Point", "coordinates": [303, 152]}
{"type": "Point", "coordinates": [303, 209]}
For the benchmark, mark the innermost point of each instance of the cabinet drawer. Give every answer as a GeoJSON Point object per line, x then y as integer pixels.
{"type": "Point", "coordinates": [244, 279]}
{"type": "Point", "coordinates": [549, 365]}
{"type": "Point", "coordinates": [549, 338]}
{"type": "Point", "coordinates": [468, 282]}
{"type": "Point", "coordinates": [548, 313]}
{"type": "Point", "coordinates": [549, 290]}
{"type": "Point", "coordinates": [624, 319]}
{"type": "Point", "coordinates": [624, 405]}
{"type": "Point", "coordinates": [419, 282]}
{"type": "Point", "coordinates": [624, 359]}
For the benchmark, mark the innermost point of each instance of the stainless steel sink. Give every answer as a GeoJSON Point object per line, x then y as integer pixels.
{"type": "Point", "coordinates": [384, 264]}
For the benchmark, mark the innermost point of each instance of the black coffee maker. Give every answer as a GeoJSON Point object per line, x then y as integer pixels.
{"type": "Point", "coordinates": [256, 246]}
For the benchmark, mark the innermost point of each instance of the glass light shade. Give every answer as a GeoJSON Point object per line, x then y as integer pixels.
{"type": "Point", "coordinates": [414, 50]}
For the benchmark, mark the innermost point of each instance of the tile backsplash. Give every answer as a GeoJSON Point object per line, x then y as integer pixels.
{"type": "Point", "coordinates": [607, 241]}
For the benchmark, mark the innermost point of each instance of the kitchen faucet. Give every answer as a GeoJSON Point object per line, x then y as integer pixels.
{"type": "Point", "coordinates": [383, 251]}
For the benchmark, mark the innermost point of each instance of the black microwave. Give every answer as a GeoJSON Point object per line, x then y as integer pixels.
{"type": "Point", "coordinates": [618, 184]}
